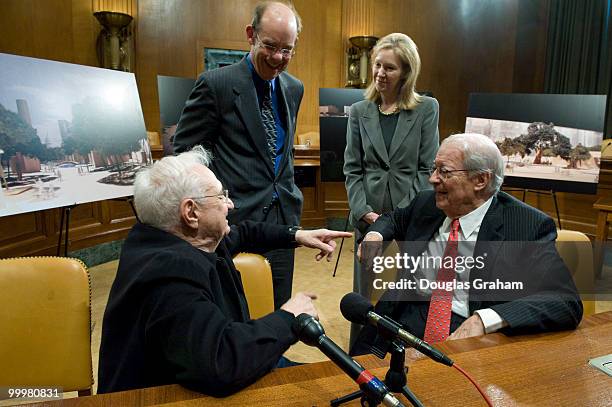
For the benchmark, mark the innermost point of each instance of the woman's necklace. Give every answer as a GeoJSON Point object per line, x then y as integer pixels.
{"type": "Point", "coordinates": [395, 110]}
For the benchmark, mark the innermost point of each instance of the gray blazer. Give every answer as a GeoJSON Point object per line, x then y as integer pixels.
{"type": "Point", "coordinates": [222, 114]}
{"type": "Point", "coordinates": [368, 167]}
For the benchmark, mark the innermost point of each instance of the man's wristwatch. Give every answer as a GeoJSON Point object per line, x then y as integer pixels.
{"type": "Point", "coordinates": [292, 231]}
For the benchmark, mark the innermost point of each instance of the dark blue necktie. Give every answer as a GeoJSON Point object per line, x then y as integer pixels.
{"type": "Point", "coordinates": [267, 118]}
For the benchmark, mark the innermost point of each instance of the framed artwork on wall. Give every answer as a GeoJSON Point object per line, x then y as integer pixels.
{"type": "Point", "coordinates": [218, 53]}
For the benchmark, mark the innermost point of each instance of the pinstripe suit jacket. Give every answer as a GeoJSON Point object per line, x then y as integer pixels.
{"type": "Point", "coordinates": [556, 307]}
{"type": "Point", "coordinates": [222, 114]}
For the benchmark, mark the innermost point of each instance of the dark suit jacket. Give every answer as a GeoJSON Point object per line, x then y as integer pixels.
{"type": "Point", "coordinates": [176, 314]}
{"type": "Point", "coordinates": [222, 114]}
{"type": "Point", "coordinates": [555, 306]}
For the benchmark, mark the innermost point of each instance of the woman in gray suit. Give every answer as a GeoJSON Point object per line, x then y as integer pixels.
{"type": "Point", "coordinates": [391, 140]}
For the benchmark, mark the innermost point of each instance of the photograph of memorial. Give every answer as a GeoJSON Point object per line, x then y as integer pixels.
{"type": "Point", "coordinates": [69, 134]}
{"type": "Point", "coordinates": [549, 142]}
{"type": "Point", "coordinates": [543, 150]}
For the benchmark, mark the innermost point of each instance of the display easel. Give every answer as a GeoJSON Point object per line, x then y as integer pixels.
{"type": "Point", "coordinates": [341, 244]}
{"type": "Point", "coordinates": [551, 193]}
{"type": "Point", "coordinates": [130, 201]}
{"type": "Point", "coordinates": [66, 210]}
{"type": "Point", "coordinates": [65, 223]}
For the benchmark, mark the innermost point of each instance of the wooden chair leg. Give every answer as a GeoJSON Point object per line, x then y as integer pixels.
{"type": "Point", "coordinates": [83, 393]}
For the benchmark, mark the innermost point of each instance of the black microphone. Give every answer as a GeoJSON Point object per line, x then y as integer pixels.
{"type": "Point", "coordinates": [356, 308]}
{"type": "Point", "coordinates": [310, 331]}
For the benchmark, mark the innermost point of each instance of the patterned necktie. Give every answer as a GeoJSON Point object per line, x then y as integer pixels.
{"type": "Point", "coordinates": [437, 327]}
{"type": "Point", "coordinates": [267, 118]}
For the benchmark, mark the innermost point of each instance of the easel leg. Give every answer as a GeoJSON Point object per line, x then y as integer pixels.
{"type": "Point", "coordinates": [66, 210]}
{"type": "Point", "coordinates": [341, 244]}
{"type": "Point", "coordinates": [61, 231]}
{"type": "Point", "coordinates": [554, 195]}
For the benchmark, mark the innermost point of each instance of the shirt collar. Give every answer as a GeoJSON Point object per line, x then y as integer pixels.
{"type": "Point", "coordinates": [259, 83]}
{"type": "Point", "coordinates": [470, 222]}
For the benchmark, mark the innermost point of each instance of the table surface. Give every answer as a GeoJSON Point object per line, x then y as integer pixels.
{"type": "Point", "coordinates": [537, 370]}
{"type": "Point", "coordinates": [603, 203]}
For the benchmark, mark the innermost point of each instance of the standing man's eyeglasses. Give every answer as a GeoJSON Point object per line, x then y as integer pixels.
{"type": "Point", "coordinates": [224, 194]}
{"type": "Point", "coordinates": [271, 49]}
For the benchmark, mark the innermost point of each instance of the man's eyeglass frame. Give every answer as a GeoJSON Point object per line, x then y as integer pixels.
{"type": "Point", "coordinates": [443, 173]}
{"type": "Point", "coordinates": [271, 49]}
{"type": "Point", "coordinates": [224, 194]}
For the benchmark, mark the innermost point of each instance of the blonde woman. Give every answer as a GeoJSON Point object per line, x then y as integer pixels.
{"type": "Point", "coordinates": [391, 139]}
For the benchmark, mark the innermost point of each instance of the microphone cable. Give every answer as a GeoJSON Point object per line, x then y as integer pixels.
{"type": "Point", "coordinates": [482, 393]}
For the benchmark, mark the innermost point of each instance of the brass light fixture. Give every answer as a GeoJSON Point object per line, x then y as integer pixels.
{"type": "Point", "coordinates": [358, 60]}
{"type": "Point", "coordinates": [113, 45]}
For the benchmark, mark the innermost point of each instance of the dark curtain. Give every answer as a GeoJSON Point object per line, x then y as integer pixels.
{"type": "Point", "coordinates": [579, 55]}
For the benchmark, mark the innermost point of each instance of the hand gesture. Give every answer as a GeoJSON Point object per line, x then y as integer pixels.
{"type": "Point", "coordinates": [322, 239]}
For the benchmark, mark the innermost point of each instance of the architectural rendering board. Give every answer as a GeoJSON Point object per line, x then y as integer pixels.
{"type": "Point", "coordinates": [69, 134]}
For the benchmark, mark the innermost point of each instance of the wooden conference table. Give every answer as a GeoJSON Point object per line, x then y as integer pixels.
{"type": "Point", "coordinates": [534, 370]}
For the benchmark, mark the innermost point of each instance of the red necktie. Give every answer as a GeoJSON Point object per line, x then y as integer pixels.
{"type": "Point", "coordinates": [437, 327]}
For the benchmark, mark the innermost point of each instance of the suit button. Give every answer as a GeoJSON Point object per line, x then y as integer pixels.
{"type": "Point", "coordinates": [386, 167]}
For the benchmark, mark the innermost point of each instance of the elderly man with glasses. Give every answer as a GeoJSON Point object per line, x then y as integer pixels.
{"type": "Point", "coordinates": [245, 114]}
{"type": "Point", "coordinates": [177, 312]}
{"type": "Point", "coordinates": [466, 216]}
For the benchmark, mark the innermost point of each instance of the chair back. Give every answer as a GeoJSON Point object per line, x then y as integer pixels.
{"type": "Point", "coordinates": [256, 275]}
{"type": "Point", "coordinates": [577, 253]}
{"type": "Point", "coordinates": [45, 319]}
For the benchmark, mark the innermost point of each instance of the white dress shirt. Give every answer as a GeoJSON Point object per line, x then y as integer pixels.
{"type": "Point", "coordinates": [468, 232]}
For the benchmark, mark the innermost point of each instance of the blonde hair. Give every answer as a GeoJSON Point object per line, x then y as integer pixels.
{"type": "Point", "coordinates": [406, 50]}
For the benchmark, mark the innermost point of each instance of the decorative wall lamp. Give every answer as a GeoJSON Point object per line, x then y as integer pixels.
{"type": "Point", "coordinates": [113, 44]}
{"type": "Point", "coordinates": [358, 60]}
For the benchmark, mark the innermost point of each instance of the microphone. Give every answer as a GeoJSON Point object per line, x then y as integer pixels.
{"type": "Point", "coordinates": [310, 331]}
{"type": "Point", "coordinates": [358, 309]}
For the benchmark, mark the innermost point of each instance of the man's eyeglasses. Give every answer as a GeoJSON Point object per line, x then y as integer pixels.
{"type": "Point", "coordinates": [444, 173]}
{"type": "Point", "coordinates": [271, 49]}
{"type": "Point", "coordinates": [224, 195]}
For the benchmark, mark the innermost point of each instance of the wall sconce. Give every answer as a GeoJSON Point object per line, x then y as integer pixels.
{"type": "Point", "coordinates": [113, 44]}
{"type": "Point", "coordinates": [358, 61]}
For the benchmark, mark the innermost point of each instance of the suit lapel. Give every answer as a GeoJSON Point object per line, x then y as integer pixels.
{"type": "Point", "coordinates": [288, 109]}
{"type": "Point", "coordinates": [405, 122]}
{"type": "Point", "coordinates": [248, 109]}
{"type": "Point", "coordinates": [371, 124]}
{"type": "Point", "coordinates": [490, 240]}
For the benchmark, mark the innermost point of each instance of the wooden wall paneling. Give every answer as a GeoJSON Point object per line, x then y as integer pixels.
{"type": "Point", "coordinates": [85, 29]}
{"type": "Point", "coordinates": [119, 211]}
{"type": "Point", "coordinates": [54, 36]}
{"type": "Point", "coordinates": [147, 59]}
{"type": "Point", "coordinates": [15, 14]}
{"type": "Point", "coordinates": [319, 56]}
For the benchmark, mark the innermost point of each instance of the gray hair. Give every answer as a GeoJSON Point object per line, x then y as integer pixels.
{"type": "Point", "coordinates": [480, 155]}
{"type": "Point", "coordinates": [261, 8]}
{"type": "Point", "coordinates": [160, 188]}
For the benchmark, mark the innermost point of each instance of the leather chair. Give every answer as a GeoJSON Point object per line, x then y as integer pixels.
{"type": "Point", "coordinates": [256, 275]}
{"type": "Point", "coordinates": [577, 254]}
{"type": "Point", "coordinates": [45, 320]}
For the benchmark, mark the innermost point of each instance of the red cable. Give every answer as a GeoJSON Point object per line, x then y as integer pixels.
{"type": "Point", "coordinates": [487, 399]}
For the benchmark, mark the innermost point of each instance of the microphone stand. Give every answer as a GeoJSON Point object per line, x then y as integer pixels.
{"type": "Point", "coordinates": [395, 379]}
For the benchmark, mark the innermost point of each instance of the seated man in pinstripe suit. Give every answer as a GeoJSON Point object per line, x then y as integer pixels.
{"type": "Point", "coordinates": [466, 206]}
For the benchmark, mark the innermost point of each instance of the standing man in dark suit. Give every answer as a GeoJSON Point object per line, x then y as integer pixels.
{"type": "Point", "coordinates": [512, 240]}
{"type": "Point", "coordinates": [245, 114]}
